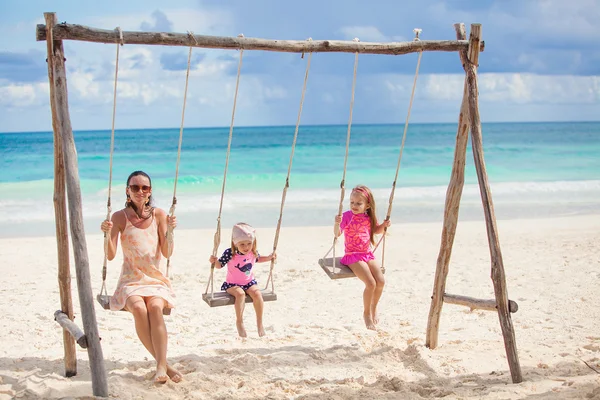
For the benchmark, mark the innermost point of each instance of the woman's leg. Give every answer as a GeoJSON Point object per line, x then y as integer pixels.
{"type": "Point", "coordinates": [137, 306]}
{"type": "Point", "coordinates": [158, 333]}
{"type": "Point", "coordinates": [375, 269]}
{"type": "Point", "coordinates": [363, 272]}
{"type": "Point", "coordinates": [240, 302]}
{"type": "Point", "coordinates": [257, 299]}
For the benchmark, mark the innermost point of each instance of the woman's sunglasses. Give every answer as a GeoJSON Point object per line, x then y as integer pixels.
{"type": "Point", "coordinates": [137, 188]}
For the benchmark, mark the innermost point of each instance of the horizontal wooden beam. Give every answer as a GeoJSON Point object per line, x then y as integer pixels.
{"type": "Point", "coordinates": [66, 31]}
{"type": "Point", "coordinates": [473, 303]}
{"type": "Point", "coordinates": [68, 325]}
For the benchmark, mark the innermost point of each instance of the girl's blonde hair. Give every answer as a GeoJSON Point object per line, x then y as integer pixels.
{"type": "Point", "coordinates": [366, 194]}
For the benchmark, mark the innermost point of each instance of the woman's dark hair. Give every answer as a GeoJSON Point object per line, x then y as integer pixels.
{"type": "Point", "coordinates": [149, 205]}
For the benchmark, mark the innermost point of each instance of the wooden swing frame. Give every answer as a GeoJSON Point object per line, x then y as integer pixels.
{"type": "Point", "coordinates": [66, 174]}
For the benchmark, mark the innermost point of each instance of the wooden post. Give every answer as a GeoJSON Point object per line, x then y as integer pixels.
{"type": "Point", "coordinates": [498, 277]}
{"type": "Point", "coordinates": [86, 300]}
{"type": "Point", "coordinates": [453, 195]}
{"type": "Point", "coordinates": [71, 328]}
{"type": "Point", "coordinates": [60, 215]}
{"type": "Point", "coordinates": [479, 304]}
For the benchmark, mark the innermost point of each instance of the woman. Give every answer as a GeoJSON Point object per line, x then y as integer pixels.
{"type": "Point", "coordinates": [143, 289]}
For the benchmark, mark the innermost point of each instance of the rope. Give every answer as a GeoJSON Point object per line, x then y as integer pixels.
{"type": "Point", "coordinates": [110, 167]}
{"type": "Point", "coordinates": [287, 179]}
{"type": "Point", "coordinates": [391, 200]}
{"type": "Point", "coordinates": [217, 237]}
{"type": "Point", "coordinates": [170, 235]}
{"type": "Point", "coordinates": [342, 188]}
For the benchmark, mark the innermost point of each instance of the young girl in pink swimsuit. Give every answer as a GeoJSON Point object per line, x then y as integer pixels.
{"type": "Point", "coordinates": [240, 259]}
{"type": "Point", "coordinates": [359, 224]}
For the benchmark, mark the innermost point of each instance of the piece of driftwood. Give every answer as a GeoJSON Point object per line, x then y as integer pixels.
{"type": "Point", "coordinates": [71, 328]}
{"type": "Point", "coordinates": [66, 31]}
{"type": "Point", "coordinates": [340, 271]}
{"type": "Point", "coordinates": [104, 301]}
{"type": "Point", "coordinates": [453, 196]}
{"type": "Point", "coordinates": [498, 276]}
{"type": "Point", "coordinates": [60, 217]}
{"type": "Point", "coordinates": [82, 267]}
{"type": "Point", "coordinates": [225, 299]}
{"type": "Point", "coordinates": [479, 304]}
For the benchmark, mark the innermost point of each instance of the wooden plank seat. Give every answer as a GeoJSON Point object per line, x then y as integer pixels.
{"type": "Point", "coordinates": [219, 299]}
{"type": "Point", "coordinates": [341, 271]}
{"type": "Point", "coordinates": [104, 301]}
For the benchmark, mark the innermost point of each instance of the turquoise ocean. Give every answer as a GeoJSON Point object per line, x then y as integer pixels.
{"type": "Point", "coordinates": [535, 170]}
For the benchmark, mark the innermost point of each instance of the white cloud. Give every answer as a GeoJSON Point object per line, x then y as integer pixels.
{"type": "Point", "coordinates": [364, 33]}
{"type": "Point", "coordinates": [513, 87]}
{"type": "Point", "coordinates": [24, 95]}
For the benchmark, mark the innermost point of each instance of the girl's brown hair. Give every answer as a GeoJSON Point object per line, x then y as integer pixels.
{"type": "Point", "coordinates": [366, 194]}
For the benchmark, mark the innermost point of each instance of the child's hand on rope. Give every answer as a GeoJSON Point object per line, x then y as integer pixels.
{"type": "Point", "coordinates": [386, 223]}
{"type": "Point", "coordinates": [338, 219]}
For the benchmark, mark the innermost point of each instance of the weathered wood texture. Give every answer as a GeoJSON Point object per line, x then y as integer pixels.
{"type": "Point", "coordinates": [83, 33]}
{"type": "Point", "coordinates": [340, 271]}
{"type": "Point", "coordinates": [60, 217]}
{"type": "Point", "coordinates": [498, 276]}
{"type": "Point", "coordinates": [478, 304]}
{"type": "Point", "coordinates": [225, 299]}
{"type": "Point", "coordinates": [86, 300]}
{"type": "Point", "coordinates": [453, 196]}
{"type": "Point", "coordinates": [70, 328]}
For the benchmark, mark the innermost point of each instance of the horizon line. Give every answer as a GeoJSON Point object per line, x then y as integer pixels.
{"type": "Point", "coordinates": [311, 125]}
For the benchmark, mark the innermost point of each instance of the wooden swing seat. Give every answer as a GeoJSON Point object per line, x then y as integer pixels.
{"type": "Point", "coordinates": [341, 271]}
{"type": "Point", "coordinates": [225, 299]}
{"type": "Point", "coordinates": [104, 301]}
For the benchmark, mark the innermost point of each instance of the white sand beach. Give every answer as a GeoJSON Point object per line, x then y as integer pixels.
{"type": "Point", "coordinates": [316, 345]}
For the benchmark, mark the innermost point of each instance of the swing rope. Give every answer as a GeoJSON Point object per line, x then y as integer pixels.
{"type": "Point", "coordinates": [103, 290]}
{"type": "Point", "coordinates": [170, 236]}
{"type": "Point", "coordinates": [217, 236]}
{"type": "Point", "coordinates": [342, 183]}
{"type": "Point", "coordinates": [391, 199]}
{"type": "Point", "coordinates": [287, 179]}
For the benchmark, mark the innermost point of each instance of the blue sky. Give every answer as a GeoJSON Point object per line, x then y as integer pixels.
{"type": "Point", "coordinates": [541, 63]}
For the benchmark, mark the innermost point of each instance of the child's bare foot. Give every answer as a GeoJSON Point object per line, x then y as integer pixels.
{"type": "Point", "coordinates": [174, 374]}
{"type": "Point", "coordinates": [161, 375]}
{"type": "Point", "coordinates": [369, 322]}
{"type": "Point", "coordinates": [261, 330]}
{"type": "Point", "coordinates": [241, 329]}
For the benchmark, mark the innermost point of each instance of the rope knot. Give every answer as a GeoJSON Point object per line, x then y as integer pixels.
{"type": "Point", "coordinates": [308, 40]}
{"type": "Point", "coordinates": [417, 32]}
{"type": "Point", "coordinates": [191, 36]}
{"type": "Point", "coordinates": [120, 33]}
{"type": "Point", "coordinates": [241, 36]}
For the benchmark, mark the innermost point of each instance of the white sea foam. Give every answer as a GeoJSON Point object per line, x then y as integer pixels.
{"type": "Point", "coordinates": [317, 206]}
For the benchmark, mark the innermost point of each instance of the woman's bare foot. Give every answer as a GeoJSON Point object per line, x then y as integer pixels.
{"type": "Point", "coordinates": [161, 375]}
{"type": "Point", "coordinates": [241, 329]}
{"type": "Point", "coordinates": [261, 330]}
{"type": "Point", "coordinates": [174, 374]}
{"type": "Point", "coordinates": [375, 316]}
{"type": "Point", "coordinates": [369, 322]}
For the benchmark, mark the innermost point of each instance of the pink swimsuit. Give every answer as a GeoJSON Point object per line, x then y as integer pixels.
{"type": "Point", "coordinates": [357, 230]}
